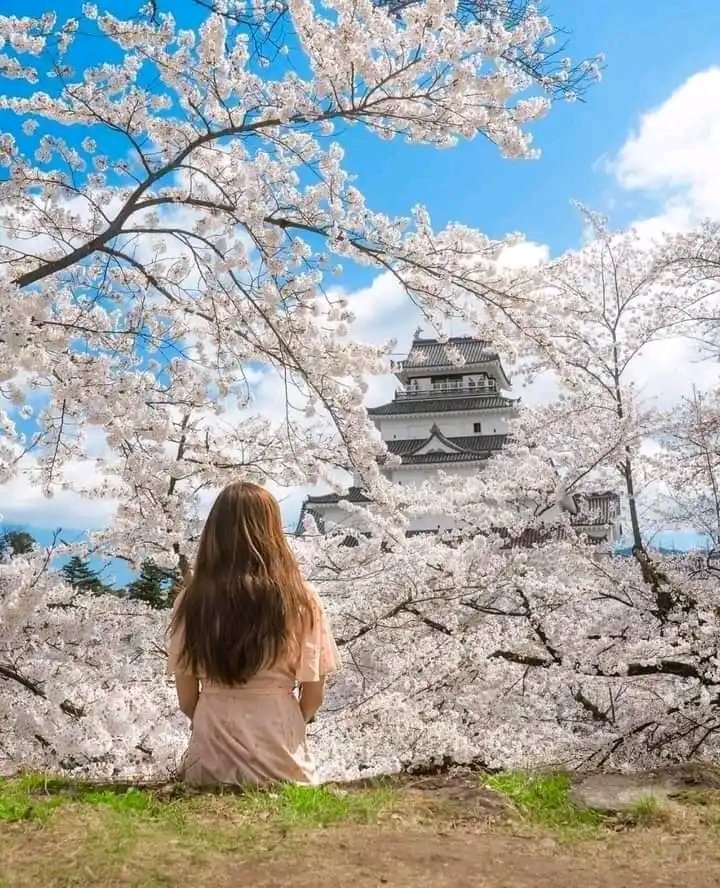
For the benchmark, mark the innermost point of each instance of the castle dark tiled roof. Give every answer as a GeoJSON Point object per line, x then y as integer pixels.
{"type": "Point", "coordinates": [432, 356]}
{"type": "Point", "coordinates": [596, 508]}
{"type": "Point", "coordinates": [431, 353]}
{"type": "Point", "coordinates": [476, 443]}
{"type": "Point", "coordinates": [439, 457]}
{"type": "Point", "coordinates": [354, 495]}
{"type": "Point", "coordinates": [480, 442]}
{"type": "Point", "coordinates": [441, 405]}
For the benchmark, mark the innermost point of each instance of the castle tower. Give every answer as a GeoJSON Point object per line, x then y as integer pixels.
{"type": "Point", "coordinates": [451, 412]}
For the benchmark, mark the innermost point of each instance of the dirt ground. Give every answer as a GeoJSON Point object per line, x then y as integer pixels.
{"type": "Point", "coordinates": [401, 857]}
{"type": "Point", "coordinates": [462, 859]}
{"type": "Point", "coordinates": [434, 832]}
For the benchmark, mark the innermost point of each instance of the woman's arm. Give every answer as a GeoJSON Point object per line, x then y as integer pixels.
{"type": "Point", "coordinates": [188, 691]}
{"type": "Point", "coordinates": [312, 694]}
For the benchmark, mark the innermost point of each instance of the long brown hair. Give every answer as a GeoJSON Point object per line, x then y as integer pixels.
{"type": "Point", "coordinates": [246, 605]}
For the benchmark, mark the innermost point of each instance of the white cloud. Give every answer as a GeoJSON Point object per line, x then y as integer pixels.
{"type": "Point", "coordinates": [669, 369]}
{"type": "Point", "coordinates": [23, 502]}
{"type": "Point", "coordinates": [672, 156]}
{"type": "Point", "coordinates": [674, 153]}
{"type": "Point", "coordinates": [675, 217]}
{"type": "Point", "coordinates": [383, 312]}
{"type": "Point", "coordinates": [665, 372]}
{"type": "Point", "coordinates": [524, 254]}
{"type": "Point", "coordinates": [544, 389]}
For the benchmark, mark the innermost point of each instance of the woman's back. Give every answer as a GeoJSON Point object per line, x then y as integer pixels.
{"type": "Point", "coordinates": [254, 732]}
{"type": "Point", "coordinates": [245, 634]}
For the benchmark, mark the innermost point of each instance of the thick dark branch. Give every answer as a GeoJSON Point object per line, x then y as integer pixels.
{"type": "Point", "coordinates": [521, 659]}
{"type": "Point", "coordinates": [670, 667]}
{"type": "Point", "coordinates": [370, 626]}
{"type": "Point", "coordinates": [67, 706]}
{"type": "Point", "coordinates": [587, 704]}
{"type": "Point", "coordinates": [492, 611]}
{"type": "Point", "coordinates": [433, 624]}
{"type": "Point", "coordinates": [8, 672]}
{"type": "Point", "coordinates": [634, 670]}
{"type": "Point", "coordinates": [134, 202]}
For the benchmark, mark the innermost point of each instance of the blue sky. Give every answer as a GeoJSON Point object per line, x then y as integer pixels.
{"type": "Point", "coordinates": [652, 49]}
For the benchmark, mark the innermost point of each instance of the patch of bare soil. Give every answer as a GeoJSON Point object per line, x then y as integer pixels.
{"type": "Point", "coordinates": [364, 857]}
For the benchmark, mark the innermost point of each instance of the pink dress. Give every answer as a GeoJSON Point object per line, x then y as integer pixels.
{"type": "Point", "coordinates": [255, 734]}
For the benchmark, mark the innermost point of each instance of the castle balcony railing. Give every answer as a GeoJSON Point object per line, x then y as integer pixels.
{"type": "Point", "coordinates": [465, 389]}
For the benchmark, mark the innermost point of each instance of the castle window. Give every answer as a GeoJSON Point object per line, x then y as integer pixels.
{"type": "Point", "coordinates": [477, 428]}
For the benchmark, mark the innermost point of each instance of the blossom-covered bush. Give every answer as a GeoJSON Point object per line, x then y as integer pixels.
{"type": "Point", "coordinates": [554, 655]}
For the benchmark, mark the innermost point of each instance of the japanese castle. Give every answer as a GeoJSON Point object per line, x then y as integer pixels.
{"type": "Point", "coordinates": [452, 412]}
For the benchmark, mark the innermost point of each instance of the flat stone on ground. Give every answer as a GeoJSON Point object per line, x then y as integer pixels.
{"type": "Point", "coordinates": [619, 792]}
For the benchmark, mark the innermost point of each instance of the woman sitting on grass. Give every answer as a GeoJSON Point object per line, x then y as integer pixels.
{"type": "Point", "coordinates": [244, 634]}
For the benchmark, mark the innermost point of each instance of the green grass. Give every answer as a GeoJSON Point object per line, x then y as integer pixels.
{"type": "Point", "coordinates": [318, 806]}
{"type": "Point", "coordinates": [645, 807]}
{"type": "Point", "coordinates": [544, 800]}
{"type": "Point", "coordinates": [648, 811]}
{"type": "Point", "coordinates": [116, 830]}
{"type": "Point", "coordinates": [35, 797]}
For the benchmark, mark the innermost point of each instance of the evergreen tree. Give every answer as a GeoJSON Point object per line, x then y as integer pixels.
{"type": "Point", "coordinates": [78, 573]}
{"type": "Point", "coordinates": [16, 542]}
{"type": "Point", "coordinates": [152, 586]}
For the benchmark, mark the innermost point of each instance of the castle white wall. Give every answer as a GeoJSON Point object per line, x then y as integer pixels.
{"type": "Point", "coordinates": [493, 422]}
{"type": "Point", "coordinates": [416, 475]}
{"type": "Point", "coordinates": [432, 522]}
{"type": "Point", "coordinates": [336, 518]}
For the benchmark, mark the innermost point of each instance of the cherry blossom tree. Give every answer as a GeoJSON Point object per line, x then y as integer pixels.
{"type": "Point", "coordinates": [464, 649]}
{"type": "Point", "coordinates": [553, 655]}
{"type": "Point", "coordinates": [690, 466]}
{"type": "Point", "coordinates": [625, 650]}
{"type": "Point", "coordinates": [81, 686]}
{"type": "Point", "coordinates": [601, 307]}
{"type": "Point", "coordinates": [509, 657]}
{"type": "Point", "coordinates": [694, 260]}
{"type": "Point", "coordinates": [172, 215]}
